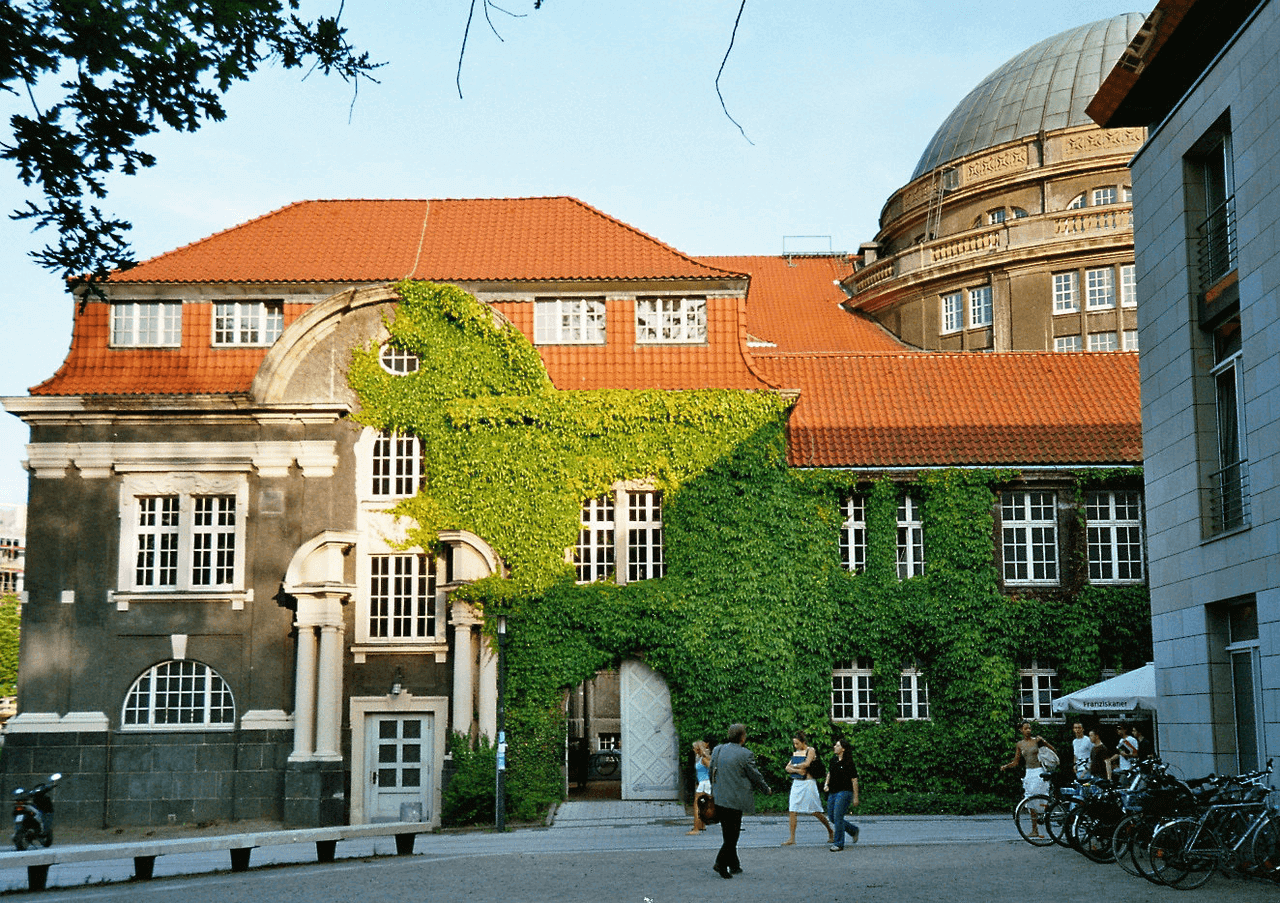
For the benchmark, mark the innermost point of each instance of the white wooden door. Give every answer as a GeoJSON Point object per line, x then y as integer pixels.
{"type": "Point", "coordinates": [398, 763]}
{"type": "Point", "coordinates": [649, 755]}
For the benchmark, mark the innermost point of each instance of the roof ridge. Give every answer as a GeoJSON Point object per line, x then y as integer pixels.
{"type": "Point", "coordinates": [645, 235]}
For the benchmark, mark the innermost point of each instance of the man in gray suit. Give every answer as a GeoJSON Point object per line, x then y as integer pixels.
{"type": "Point", "coordinates": [733, 777]}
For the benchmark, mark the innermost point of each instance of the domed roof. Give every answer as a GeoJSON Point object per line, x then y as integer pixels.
{"type": "Point", "coordinates": [1043, 88]}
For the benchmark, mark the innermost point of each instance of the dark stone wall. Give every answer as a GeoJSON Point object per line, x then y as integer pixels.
{"type": "Point", "coordinates": [198, 778]}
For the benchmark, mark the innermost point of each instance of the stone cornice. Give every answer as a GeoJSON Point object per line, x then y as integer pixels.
{"type": "Point", "coordinates": [99, 460]}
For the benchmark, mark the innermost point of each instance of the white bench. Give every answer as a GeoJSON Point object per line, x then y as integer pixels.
{"type": "Point", "coordinates": [240, 846]}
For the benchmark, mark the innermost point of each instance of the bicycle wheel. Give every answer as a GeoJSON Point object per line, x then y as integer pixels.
{"type": "Point", "coordinates": [1094, 836]}
{"type": "Point", "coordinates": [1266, 848]}
{"type": "Point", "coordinates": [1055, 821]}
{"type": "Point", "coordinates": [1140, 849]}
{"type": "Point", "coordinates": [1122, 841]}
{"type": "Point", "coordinates": [1029, 816]}
{"type": "Point", "coordinates": [1184, 854]}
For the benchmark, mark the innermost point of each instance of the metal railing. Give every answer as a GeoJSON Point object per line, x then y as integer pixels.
{"type": "Point", "coordinates": [1229, 497]}
{"type": "Point", "coordinates": [1216, 244]}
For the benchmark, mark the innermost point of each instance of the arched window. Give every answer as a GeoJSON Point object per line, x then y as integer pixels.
{"type": "Point", "coordinates": [1077, 202]}
{"type": "Point", "coordinates": [183, 695]}
{"type": "Point", "coordinates": [397, 361]}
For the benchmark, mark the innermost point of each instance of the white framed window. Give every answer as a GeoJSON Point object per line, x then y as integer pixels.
{"type": "Point", "coordinates": [644, 536]}
{"type": "Point", "coordinates": [179, 695]}
{"type": "Point", "coordinates": [995, 216]}
{"type": "Point", "coordinates": [146, 323]}
{"type": "Point", "coordinates": [396, 361]}
{"type": "Point", "coordinates": [1100, 288]}
{"type": "Point", "coordinates": [1029, 532]}
{"type": "Point", "coordinates": [247, 322]}
{"type": "Point", "coordinates": [1066, 296]}
{"type": "Point", "coordinates": [853, 533]}
{"type": "Point", "coordinates": [1126, 194]}
{"type": "Point", "coordinates": [1102, 341]}
{"type": "Point", "coordinates": [396, 470]}
{"type": "Point", "coordinates": [1128, 286]}
{"type": "Point", "coordinates": [402, 597]}
{"type": "Point", "coordinates": [671, 320]}
{"type": "Point", "coordinates": [1104, 195]}
{"type": "Point", "coordinates": [952, 312]}
{"type": "Point", "coordinates": [399, 604]}
{"type": "Point", "coordinates": [183, 533]}
{"type": "Point", "coordinates": [913, 695]}
{"type": "Point", "coordinates": [1038, 688]}
{"type": "Point", "coordinates": [980, 306]}
{"type": "Point", "coordinates": [910, 539]}
{"type": "Point", "coordinates": [1129, 340]}
{"type": "Point", "coordinates": [569, 321]}
{"type": "Point", "coordinates": [593, 555]}
{"type": "Point", "coordinates": [620, 535]}
{"type": "Point", "coordinates": [1114, 532]}
{"type": "Point", "coordinates": [1066, 343]}
{"type": "Point", "coordinates": [1077, 202]}
{"type": "Point", "coordinates": [853, 695]}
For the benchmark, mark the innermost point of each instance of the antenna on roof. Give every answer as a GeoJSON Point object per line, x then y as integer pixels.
{"type": "Point", "coordinates": [789, 241]}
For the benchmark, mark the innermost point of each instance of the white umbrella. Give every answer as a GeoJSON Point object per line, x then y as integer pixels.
{"type": "Point", "coordinates": [1126, 692]}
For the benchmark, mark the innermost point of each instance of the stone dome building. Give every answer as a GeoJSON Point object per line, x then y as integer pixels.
{"type": "Point", "coordinates": [1015, 232]}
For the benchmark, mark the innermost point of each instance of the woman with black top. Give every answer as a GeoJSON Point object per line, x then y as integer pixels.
{"type": "Point", "coordinates": [841, 786]}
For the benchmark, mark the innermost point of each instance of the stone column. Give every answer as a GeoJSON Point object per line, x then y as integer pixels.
{"type": "Point", "coordinates": [488, 690]}
{"type": "Point", "coordinates": [329, 693]}
{"type": "Point", "coordinates": [304, 696]}
{"type": "Point", "coordinates": [464, 677]}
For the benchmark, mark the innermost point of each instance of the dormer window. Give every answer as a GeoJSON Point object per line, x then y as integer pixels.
{"type": "Point", "coordinates": [569, 321]}
{"type": "Point", "coordinates": [671, 320]}
{"type": "Point", "coordinates": [138, 324]}
{"type": "Point", "coordinates": [397, 361]}
{"type": "Point", "coordinates": [247, 322]}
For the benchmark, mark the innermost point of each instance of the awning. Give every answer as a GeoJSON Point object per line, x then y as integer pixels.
{"type": "Point", "coordinates": [1127, 692]}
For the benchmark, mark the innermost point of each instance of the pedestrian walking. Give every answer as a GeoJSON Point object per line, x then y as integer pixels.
{"type": "Point", "coordinates": [804, 789]}
{"type": "Point", "coordinates": [841, 786]}
{"type": "Point", "coordinates": [733, 778]}
{"type": "Point", "coordinates": [702, 770]}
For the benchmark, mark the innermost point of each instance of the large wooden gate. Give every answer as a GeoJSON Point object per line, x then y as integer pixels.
{"type": "Point", "coordinates": [650, 756]}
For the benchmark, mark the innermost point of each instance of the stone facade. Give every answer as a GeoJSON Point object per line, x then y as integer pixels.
{"type": "Point", "coordinates": [1210, 365]}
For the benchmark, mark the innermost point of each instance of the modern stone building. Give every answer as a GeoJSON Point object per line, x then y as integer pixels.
{"type": "Point", "coordinates": [1202, 78]}
{"type": "Point", "coordinates": [1015, 232]}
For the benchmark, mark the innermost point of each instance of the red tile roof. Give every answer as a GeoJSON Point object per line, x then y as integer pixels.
{"type": "Point", "coordinates": [794, 303]}
{"type": "Point", "coordinates": [926, 409]}
{"type": "Point", "coordinates": [93, 367]}
{"type": "Point", "coordinates": [498, 239]}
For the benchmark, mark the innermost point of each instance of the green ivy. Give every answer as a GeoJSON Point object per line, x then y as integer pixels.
{"type": "Point", "coordinates": [10, 616]}
{"type": "Point", "coordinates": [755, 606]}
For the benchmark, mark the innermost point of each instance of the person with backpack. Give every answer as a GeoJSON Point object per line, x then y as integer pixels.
{"type": "Point", "coordinates": [804, 789]}
{"type": "Point", "coordinates": [841, 785]}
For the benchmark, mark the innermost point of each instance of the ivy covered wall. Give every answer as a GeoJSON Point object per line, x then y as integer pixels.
{"type": "Point", "coordinates": [755, 606]}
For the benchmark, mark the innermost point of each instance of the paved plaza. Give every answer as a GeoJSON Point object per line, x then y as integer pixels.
{"type": "Point", "coordinates": [614, 851]}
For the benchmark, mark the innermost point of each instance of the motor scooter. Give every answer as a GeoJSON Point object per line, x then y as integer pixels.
{"type": "Point", "coordinates": [33, 813]}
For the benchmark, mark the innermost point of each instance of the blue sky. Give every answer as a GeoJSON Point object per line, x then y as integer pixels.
{"type": "Point", "coordinates": [610, 102]}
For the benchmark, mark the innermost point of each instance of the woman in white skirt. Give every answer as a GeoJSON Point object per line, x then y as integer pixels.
{"type": "Point", "coordinates": [804, 789]}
